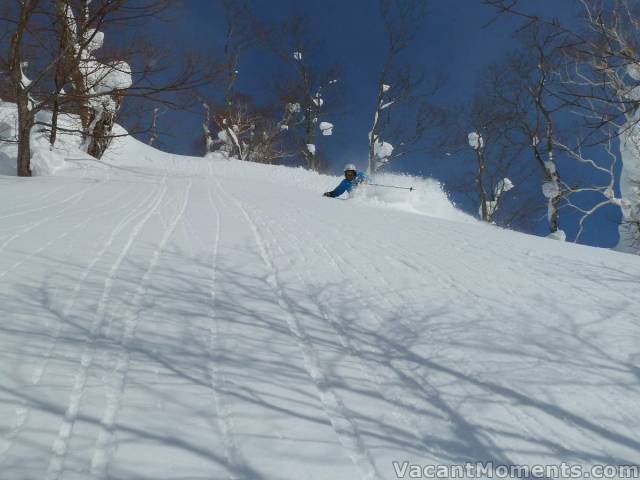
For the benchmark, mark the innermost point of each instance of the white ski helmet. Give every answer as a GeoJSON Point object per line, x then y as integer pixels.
{"type": "Point", "coordinates": [350, 167]}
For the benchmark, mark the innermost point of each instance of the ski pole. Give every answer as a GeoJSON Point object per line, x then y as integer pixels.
{"type": "Point", "coordinates": [391, 186]}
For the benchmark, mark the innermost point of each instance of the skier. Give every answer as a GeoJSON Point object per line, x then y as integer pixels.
{"type": "Point", "coordinates": [352, 178]}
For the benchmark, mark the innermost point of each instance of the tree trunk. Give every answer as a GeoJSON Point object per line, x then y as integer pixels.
{"type": "Point", "coordinates": [484, 213]}
{"type": "Point", "coordinates": [554, 216]}
{"type": "Point", "coordinates": [310, 140]}
{"type": "Point", "coordinates": [54, 120]}
{"type": "Point", "coordinates": [62, 66]}
{"type": "Point", "coordinates": [24, 159]}
{"type": "Point", "coordinates": [101, 129]}
{"type": "Point", "coordinates": [309, 131]}
{"type": "Point", "coordinates": [25, 123]}
{"type": "Point", "coordinates": [206, 129]}
{"type": "Point", "coordinates": [69, 64]}
{"type": "Point", "coordinates": [373, 136]}
{"type": "Point", "coordinates": [554, 202]}
{"type": "Point", "coordinates": [25, 114]}
{"type": "Point", "coordinates": [552, 176]}
{"type": "Point", "coordinates": [101, 134]}
{"type": "Point", "coordinates": [371, 168]}
{"type": "Point", "coordinates": [311, 160]}
{"type": "Point", "coordinates": [154, 128]}
{"type": "Point", "coordinates": [236, 146]}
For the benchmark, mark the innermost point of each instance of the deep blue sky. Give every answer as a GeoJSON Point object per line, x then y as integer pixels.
{"type": "Point", "coordinates": [350, 34]}
{"type": "Point", "coordinates": [454, 39]}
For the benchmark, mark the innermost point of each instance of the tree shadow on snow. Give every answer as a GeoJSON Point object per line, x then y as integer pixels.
{"type": "Point", "coordinates": [403, 389]}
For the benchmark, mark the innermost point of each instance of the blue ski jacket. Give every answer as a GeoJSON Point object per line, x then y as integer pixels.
{"type": "Point", "coordinates": [347, 185]}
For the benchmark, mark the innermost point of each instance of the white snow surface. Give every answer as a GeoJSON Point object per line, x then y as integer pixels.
{"type": "Point", "coordinates": [169, 317]}
{"type": "Point", "coordinates": [558, 235]}
{"type": "Point", "coordinates": [383, 150]}
{"type": "Point", "coordinates": [475, 140]}
{"type": "Point", "coordinates": [326, 128]}
{"type": "Point", "coordinates": [25, 81]}
{"type": "Point", "coordinates": [95, 40]}
{"type": "Point", "coordinates": [550, 189]}
{"type": "Point", "coordinates": [116, 77]}
{"type": "Point", "coordinates": [503, 186]}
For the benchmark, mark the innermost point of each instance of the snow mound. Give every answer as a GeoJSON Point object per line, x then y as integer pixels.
{"type": "Point", "coordinates": [45, 159]}
{"type": "Point", "coordinates": [426, 198]}
{"type": "Point", "coordinates": [8, 149]}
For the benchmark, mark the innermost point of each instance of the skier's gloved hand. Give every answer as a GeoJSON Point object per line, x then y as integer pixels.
{"type": "Point", "coordinates": [326, 194]}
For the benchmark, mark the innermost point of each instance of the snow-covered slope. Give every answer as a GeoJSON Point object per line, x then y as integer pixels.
{"type": "Point", "coordinates": [166, 317]}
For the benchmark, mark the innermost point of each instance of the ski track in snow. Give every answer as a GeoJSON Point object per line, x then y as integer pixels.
{"type": "Point", "coordinates": [26, 203]}
{"type": "Point", "coordinates": [80, 283]}
{"type": "Point", "coordinates": [68, 204]}
{"type": "Point", "coordinates": [385, 387]}
{"type": "Point", "coordinates": [66, 233]}
{"type": "Point", "coordinates": [104, 444]}
{"type": "Point", "coordinates": [383, 374]}
{"type": "Point", "coordinates": [237, 465]}
{"type": "Point", "coordinates": [409, 384]}
{"type": "Point", "coordinates": [46, 207]}
{"type": "Point", "coordinates": [352, 365]}
{"type": "Point", "coordinates": [449, 284]}
{"type": "Point", "coordinates": [342, 424]}
{"type": "Point", "coordinates": [378, 371]}
{"type": "Point", "coordinates": [61, 443]}
{"type": "Point", "coordinates": [551, 284]}
{"type": "Point", "coordinates": [23, 411]}
{"type": "Point", "coordinates": [424, 274]}
{"type": "Point", "coordinates": [548, 282]}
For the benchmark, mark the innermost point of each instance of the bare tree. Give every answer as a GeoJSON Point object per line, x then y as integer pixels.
{"type": "Point", "coordinates": [14, 64]}
{"type": "Point", "coordinates": [495, 157]}
{"type": "Point", "coordinates": [244, 130]}
{"type": "Point", "coordinates": [476, 142]}
{"type": "Point", "coordinates": [398, 88]}
{"type": "Point", "coordinates": [54, 62]}
{"type": "Point", "coordinates": [542, 47]}
{"type": "Point", "coordinates": [254, 133]}
{"type": "Point", "coordinates": [606, 190]}
{"type": "Point", "coordinates": [100, 78]}
{"type": "Point", "coordinates": [601, 86]}
{"type": "Point", "coordinates": [95, 86]}
{"type": "Point", "coordinates": [609, 86]}
{"type": "Point", "coordinates": [232, 118]}
{"type": "Point", "coordinates": [310, 93]}
{"type": "Point", "coordinates": [153, 139]}
{"type": "Point", "coordinates": [209, 145]}
{"type": "Point", "coordinates": [476, 136]}
{"type": "Point", "coordinates": [526, 85]}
